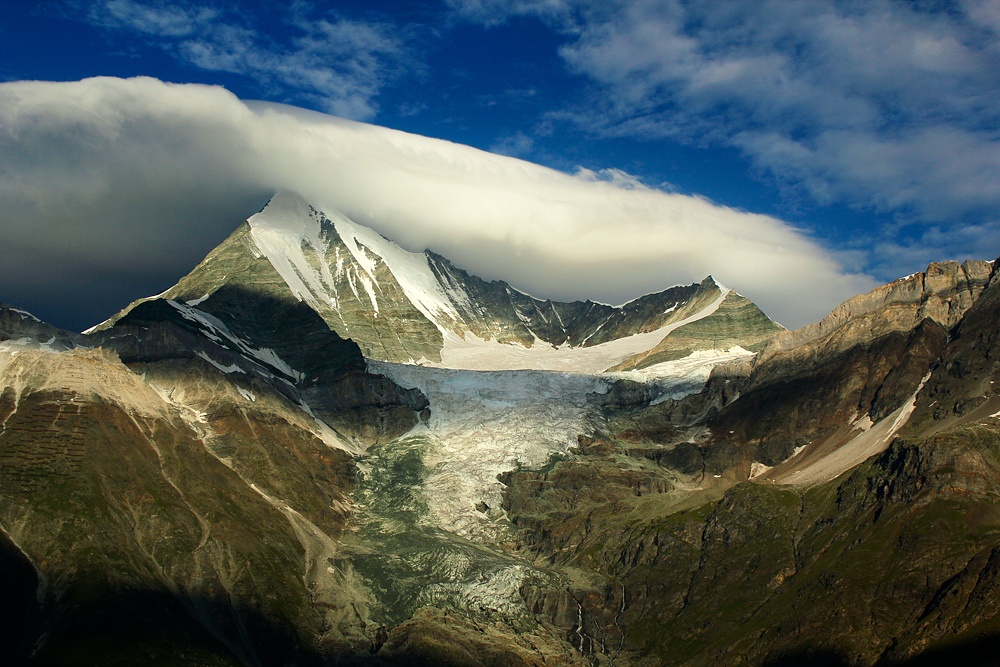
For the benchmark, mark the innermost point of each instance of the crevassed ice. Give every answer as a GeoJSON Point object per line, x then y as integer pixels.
{"type": "Point", "coordinates": [485, 423]}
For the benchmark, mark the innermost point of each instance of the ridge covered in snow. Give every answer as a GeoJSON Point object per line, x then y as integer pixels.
{"type": "Point", "coordinates": [418, 308]}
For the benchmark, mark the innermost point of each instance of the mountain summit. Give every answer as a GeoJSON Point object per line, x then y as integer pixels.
{"type": "Point", "coordinates": [408, 307]}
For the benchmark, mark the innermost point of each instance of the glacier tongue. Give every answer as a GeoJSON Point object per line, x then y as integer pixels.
{"type": "Point", "coordinates": [485, 423]}
{"type": "Point", "coordinates": [433, 495]}
{"type": "Point", "coordinates": [422, 495]}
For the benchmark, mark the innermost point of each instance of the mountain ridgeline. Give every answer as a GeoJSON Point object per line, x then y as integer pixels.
{"type": "Point", "coordinates": [400, 306]}
{"type": "Point", "coordinates": [321, 449]}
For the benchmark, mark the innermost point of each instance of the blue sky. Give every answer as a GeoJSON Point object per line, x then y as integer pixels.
{"type": "Point", "coordinates": [871, 127]}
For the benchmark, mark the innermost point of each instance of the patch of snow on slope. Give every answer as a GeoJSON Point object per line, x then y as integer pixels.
{"type": "Point", "coordinates": [681, 377]}
{"type": "Point", "coordinates": [411, 270]}
{"type": "Point", "coordinates": [474, 353]}
{"type": "Point", "coordinates": [485, 423]}
{"type": "Point", "coordinates": [871, 440]}
{"type": "Point", "coordinates": [370, 291]}
{"type": "Point", "coordinates": [23, 313]}
{"type": "Point", "coordinates": [232, 368]}
{"type": "Point", "coordinates": [195, 302]}
{"type": "Point", "coordinates": [216, 330]}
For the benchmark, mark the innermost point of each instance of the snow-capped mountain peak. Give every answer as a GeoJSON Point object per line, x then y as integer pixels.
{"type": "Point", "coordinates": [414, 307]}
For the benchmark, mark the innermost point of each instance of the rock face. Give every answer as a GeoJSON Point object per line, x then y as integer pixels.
{"type": "Point", "coordinates": [282, 343]}
{"type": "Point", "coordinates": [942, 294]}
{"type": "Point", "coordinates": [864, 360]}
{"type": "Point", "coordinates": [889, 561]}
{"type": "Point", "coordinates": [19, 324]}
{"type": "Point", "coordinates": [817, 389]}
{"type": "Point", "coordinates": [496, 310]}
{"type": "Point", "coordinates": [404, 307]}
{"type": "Point", "coordinates": [738, 322]}
{"type": "Point", "coordinates": [877, 568]}
{"type": "Point", "coordinates": [968, 379]}
{"type": "Point", "coordinates": [156, 533]}
{"type": "Point", "coordinates": [177, 485]}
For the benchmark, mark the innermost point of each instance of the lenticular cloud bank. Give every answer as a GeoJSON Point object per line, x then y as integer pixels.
{"type": "Point", "coordinates": [126, 173]}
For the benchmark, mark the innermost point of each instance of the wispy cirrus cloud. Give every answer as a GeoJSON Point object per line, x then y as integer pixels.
{"type": "Point", "coordinates": [161, 20]}
{"type": "Point", "coordinates": [886, 104]}
{"type": "Point", "coordinates": [335, 63]}
{"type": "Point", "coordinates": [493, 12]}
{"type": "Point", "coordinates": [879, 101]}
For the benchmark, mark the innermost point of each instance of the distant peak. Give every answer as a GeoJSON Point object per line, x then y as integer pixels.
{"type": "Point", "coordinates": [711, 282]}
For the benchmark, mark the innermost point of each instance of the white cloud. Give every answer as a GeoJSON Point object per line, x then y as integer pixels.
{"type": "Point", "coordinates": [154, 19]}
{"type": "Point", "coordinates": [493, 12]}
{"type": "Point", "coordinates": [515, 145]}
{"type": "Point", "coordinates": [334, 63]}
{"type": "Point", "coordinates": [887, 104]}
{"type": "Point", "coordinates": [137, 177]}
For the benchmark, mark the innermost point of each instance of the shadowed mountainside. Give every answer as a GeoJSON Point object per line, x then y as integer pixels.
{"type": "Point", "coordinates": [213, 484]}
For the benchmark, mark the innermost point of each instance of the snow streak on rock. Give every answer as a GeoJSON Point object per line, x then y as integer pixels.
{"type": "Point", "coordinates": [410, 270]}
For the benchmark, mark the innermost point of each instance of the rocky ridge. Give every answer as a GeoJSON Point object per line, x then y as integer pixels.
{"type": "Point", "coordinates": [738, 322]}
{"type": "Point", "coordinates": [404, 307]}
{"type": "Point", "coordinates": [888, 561]}
{"type": "Point", "coordinates": [943, 293]}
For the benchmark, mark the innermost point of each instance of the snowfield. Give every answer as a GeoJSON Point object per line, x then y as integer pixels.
{"type": "Point", "coordinates": [474, 353]}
